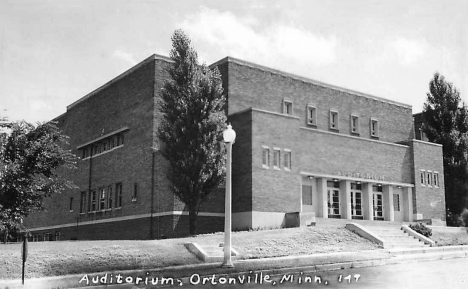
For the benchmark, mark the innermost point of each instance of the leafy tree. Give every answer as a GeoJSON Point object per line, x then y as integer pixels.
{"type": "Point", "coordinates": [446, 123]}
{"type": "Point", "coordinates": [191, 129]}
{"type": "Point", "coordinates": [30, 157]}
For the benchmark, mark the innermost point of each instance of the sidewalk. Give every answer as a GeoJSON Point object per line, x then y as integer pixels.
{"type": "Point", "coordinates": [252, 267]}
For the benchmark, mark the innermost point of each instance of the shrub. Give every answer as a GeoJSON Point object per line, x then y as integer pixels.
{"type": "Point", "coordinates": [422, 229]}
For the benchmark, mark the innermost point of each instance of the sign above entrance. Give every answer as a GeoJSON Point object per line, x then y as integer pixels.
{"type": "Point", "coordinates": [361, 176]}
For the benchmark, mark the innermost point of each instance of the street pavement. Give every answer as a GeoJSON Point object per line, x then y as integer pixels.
{"type": "Point", "coordinates": [376, 269]}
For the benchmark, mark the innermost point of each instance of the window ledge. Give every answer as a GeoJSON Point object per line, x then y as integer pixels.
{"type": "Point", "coordinates": [104, 152]}
{"type": "Point", "coordinates": [265, 167]}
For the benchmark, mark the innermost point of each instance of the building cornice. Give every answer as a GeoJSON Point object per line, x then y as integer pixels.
{"type": "Point", "coordinates": [119, 77]}
{"type": "Point", "coordinates": [307, 80]}
{"type": "Point", "coordinates": [427, 142]}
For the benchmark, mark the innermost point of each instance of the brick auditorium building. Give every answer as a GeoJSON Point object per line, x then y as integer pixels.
{"type": "Point", "coordinates": [301, 146]}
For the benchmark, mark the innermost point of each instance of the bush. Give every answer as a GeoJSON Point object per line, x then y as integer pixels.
{"type": "Point", "coordinates": [422, 229]}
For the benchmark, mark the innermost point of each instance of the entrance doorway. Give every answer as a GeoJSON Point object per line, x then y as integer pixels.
{"type": "Point", "coordinates": [333, 199]}
{"type": "Point", "coordinates": [377, 202]}
{"type": "Point", "coordinates": [356, 201]}
{"type": "Point", "coordinates": [397, 204]}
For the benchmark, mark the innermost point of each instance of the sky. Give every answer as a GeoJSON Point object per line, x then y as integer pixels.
{"type": "Point", "coordinates": [54, 52]}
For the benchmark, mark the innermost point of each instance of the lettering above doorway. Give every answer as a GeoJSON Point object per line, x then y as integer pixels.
{"type": "Point", "coordinates": [361, 176]}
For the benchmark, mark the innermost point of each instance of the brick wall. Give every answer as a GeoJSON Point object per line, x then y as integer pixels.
{"type": "Point", "coordinates": [275, 190]}
{"type": "Point", "coordinates": [250, 85]}
{"type": "Point", "coordinates": [126, 101]}
{"type": "Point", "coordinates": [428, 200]}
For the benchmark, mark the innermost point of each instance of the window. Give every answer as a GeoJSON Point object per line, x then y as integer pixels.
{"type": "Point", "coordinates": [354, 124]}
{"type": "Point", "coordinates": [102, 199]}
{"type": "Point", "coordinates": [265, 157]}
{"type": "Point", "coordinates": [109, 197]}
{"type": "Point", "coordinates": [396, 202]}
{"type": "Point", "coordinates": [287, 159]}
{"type": "Point", "coordinates": [120, 139]}
{"type": "Point", "coordinates": [436, 179]}
{"type": "Point", "coordinates": [287, 107]}
{"type": "Point", "coordinates": [333, 119]}
{"type": "Point", "coordinates": [311, 114]}
{"type": "Point", "coordinates": [374, 127]}
{"type": "Point", "coordinates": [118, 195]}
{"type": "Point", "coordinates": [429, 178]}
{"type": "Point", "coordinates": [135, 190]}
{"type": "Point", "coordinates": [84, 153]}
{"type": "Point", "coordinates": [71, 204]}
{"type": "Point", "coordinates": [307, 195]}
{"type": "Point", "coordinates": [57, 236]}
{"type": "Point", "coordinates": [111, 142]}
{"type": "Point", "coordinates": [83, 202]}
{"type": "Point", "coordinates": [276, 158]}
{"type": "Point", "coordinates": [423, 177]}
{"type": "Point", "coordinates": [104, 146]}
{"type": "Point", "coordinates": [92, 201]}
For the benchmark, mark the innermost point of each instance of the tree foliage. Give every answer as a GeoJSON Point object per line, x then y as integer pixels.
{"type": "Point", "coordinates": [30, 157]}
{"type": "Point", "coordinates": [191, 129]}
{"type": "Point", "coordinates": [446, 123]}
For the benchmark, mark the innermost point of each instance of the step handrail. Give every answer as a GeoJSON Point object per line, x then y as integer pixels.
{"type": "Point", "coordinates": [415, 234]}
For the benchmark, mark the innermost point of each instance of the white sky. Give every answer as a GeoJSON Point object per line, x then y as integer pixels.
{"type": "Point", "coordinates": [54, 52]}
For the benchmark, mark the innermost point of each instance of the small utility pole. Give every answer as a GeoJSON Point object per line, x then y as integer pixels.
{"type": "Point", "coordinates": [25, 253]}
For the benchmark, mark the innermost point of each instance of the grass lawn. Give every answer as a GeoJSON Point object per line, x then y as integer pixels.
{"type": "Point", "coordinates": [450, 239]}
{"type": "Point", "coordinates": [73, 257]}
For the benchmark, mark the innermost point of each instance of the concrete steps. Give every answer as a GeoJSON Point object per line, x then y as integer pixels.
{"type": "Point", "coordinates": [210, 252]}
{"type": "Point", "coordinates": [395, 237]}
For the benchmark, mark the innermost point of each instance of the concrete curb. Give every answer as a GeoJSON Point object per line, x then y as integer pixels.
{"type": "Point", "coordinates": [272, 266]}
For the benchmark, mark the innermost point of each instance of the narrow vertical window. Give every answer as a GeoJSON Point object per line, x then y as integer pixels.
{"type": "Point", "coordinates": [83, 202]}
{"type": "Point", "coordinates": [429, 178]}
{"type": "Point", "coordinates": [436, 179]}
{"type": "Point", "coordinates": [265, 157]}
{"type": "Point", "coordinates": [118, 195]}
{"type": "Point", "coordinates": [311, 114]}
{"type": "Point", "coordinates": [333, 119]}
{"type": "Point", "coordinates": [287, 107]}
{"type": "Point", "coordinates": [135, 191]}
{"type": "Point", "coordinates": [93, 201]}
{"type": "Point", "coordinates": [57, 236]}
{"type": "Point", "coordinates": [102, 199]}
{"type": "Point", "coordinates": [423, 177]}
{"type": "Point", "coordinates": [396, 202]}
{"type": "Point", "coordinates": [287, 160]}
{"type": "Point", "coordinates": [374, 127]}
{"type": "Point", "coordinates": [71, 204]}
{"type": "Point", "coordinates": [109, 197]}
{"type": "Point", "coordinates": [276, 158]}
{"type": "Point", "coordinates": [354, 124]}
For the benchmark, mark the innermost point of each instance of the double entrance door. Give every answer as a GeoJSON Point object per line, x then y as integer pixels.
{"type": "Point", "coordinates": [334, 204]}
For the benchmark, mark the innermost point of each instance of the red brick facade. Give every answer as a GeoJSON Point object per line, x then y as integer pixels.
{"type": "Point", "coordinates": [351, 137]}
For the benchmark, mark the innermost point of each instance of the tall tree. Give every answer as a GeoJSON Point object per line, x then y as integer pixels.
{"type": "Point", "coordinates": [30, 158]}
{"type": "Point", "coordinates": [446, 123]}
{"type": "Point", "coordinates": [191, 129]}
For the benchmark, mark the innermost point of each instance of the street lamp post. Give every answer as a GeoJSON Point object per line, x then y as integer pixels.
{"type": "Point", "coordinates": [229, 136]}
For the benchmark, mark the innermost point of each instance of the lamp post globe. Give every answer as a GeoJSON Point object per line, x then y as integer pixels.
{"type": "Point", "coordinates": [229, 135]}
